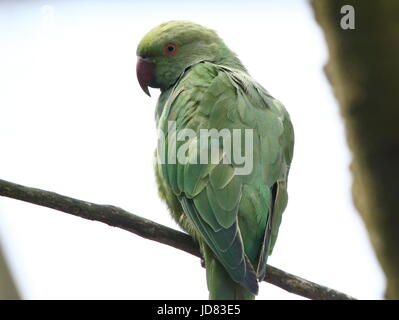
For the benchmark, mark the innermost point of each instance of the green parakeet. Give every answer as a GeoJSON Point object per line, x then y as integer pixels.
{"type": "Point", "coordinates": [231, 207]}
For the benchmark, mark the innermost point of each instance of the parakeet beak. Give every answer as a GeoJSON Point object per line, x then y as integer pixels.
{"type": "Point", "coordinates": [145, 73]}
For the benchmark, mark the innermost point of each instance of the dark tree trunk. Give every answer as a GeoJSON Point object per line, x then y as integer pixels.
{"type": "Point", "coordinates": [363, 70]}
{"type": "Point", "coordinates": [8, 290]}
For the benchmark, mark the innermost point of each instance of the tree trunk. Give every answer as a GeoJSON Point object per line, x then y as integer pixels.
{"type": "Point", "coordinates": [363, 70]}
{"type": "Point", "coordinates": [8, 291]}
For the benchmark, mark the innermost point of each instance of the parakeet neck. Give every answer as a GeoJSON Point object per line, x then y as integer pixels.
{"type": "Point", "coordinates": [229, 59]}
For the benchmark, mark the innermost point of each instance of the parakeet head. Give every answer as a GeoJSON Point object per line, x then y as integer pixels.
{"type": "Point", "coordinates": [167, 50]}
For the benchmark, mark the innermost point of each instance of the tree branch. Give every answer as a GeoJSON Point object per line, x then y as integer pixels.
{"type": "Point", "coordinates": [117, 217]}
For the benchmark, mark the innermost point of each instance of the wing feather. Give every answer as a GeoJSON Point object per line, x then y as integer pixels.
{"type": "Point", "coordinates": [235, 215]}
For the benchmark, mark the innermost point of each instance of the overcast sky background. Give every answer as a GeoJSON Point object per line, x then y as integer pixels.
{"type": "Point", "coordinates": [74, 120]}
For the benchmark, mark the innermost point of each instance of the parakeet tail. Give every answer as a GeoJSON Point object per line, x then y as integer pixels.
{"type": "Point", "coordinates": [220, 284]}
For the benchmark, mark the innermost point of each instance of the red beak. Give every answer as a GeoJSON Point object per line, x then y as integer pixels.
{"type": "Point", "coordinates": [145, 73]}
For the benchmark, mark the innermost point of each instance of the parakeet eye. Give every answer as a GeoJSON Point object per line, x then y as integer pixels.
{"type": "Point", "coordinates": [170, 49]}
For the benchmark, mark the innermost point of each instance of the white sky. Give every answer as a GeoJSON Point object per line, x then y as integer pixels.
{"type": "Point", "coordinates": [75, 121]}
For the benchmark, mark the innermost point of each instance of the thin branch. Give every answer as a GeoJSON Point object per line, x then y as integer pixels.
{"type": "Point", "coordinates": [117, 217]}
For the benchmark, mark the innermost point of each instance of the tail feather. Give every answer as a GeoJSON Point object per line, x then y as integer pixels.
{"type": "Point", "coordinates": [222, 287]}
{"type": "Point", "coordinates": [250, 281]}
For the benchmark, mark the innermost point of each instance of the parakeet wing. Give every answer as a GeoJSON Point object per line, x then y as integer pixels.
{"type": "Point", "coordinates": [219, 202]}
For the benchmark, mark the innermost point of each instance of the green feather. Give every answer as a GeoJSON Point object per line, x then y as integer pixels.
{"type": "Point", "coordinates": [235, 218]}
